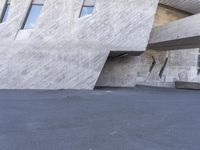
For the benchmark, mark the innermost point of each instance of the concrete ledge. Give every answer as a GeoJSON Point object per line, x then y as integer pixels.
{"type": "Point", "coordinates": [156, 84]}
{"type": "Point", "coordinates": [187, 85]}
{"type": "Point", "coordinates": [180, 34]}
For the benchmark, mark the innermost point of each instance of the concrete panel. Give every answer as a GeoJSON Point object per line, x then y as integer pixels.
{"type": "Point", "coordinates": [180, 34]}
{"type": "Point", "coordinates": [124, 24]}
{"type": "Point", "coordinates": [63, 66]}
{"type": "Point", "coordinates": [192, 6]}
{"type": "Point", "coordinates": [65, 51]}
{"type": "Point", "coordinates": [187, 85]}
{"type": "Point", "coordinates": [166, 15]}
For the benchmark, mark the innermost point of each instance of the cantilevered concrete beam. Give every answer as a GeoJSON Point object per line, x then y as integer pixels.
{"type": "Point", "coordinates": [181, 34]}
{"type": "Point", "coordinates": [191, 6]}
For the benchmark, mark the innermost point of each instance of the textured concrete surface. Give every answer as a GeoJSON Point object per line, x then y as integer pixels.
{"type": "Point", "coordinates": [192, 6]}
{"type": "Point", "coordinates": [66, 65]}
{"type": "Point", "coordinates": [65, 51]}
{"type": "Point", "coordinates": [187, 85]}
{"type": "Point", "coordinates": [165, 15]}
{"type": "Point", "coordinates": [180, 34]}
{"type": "Point", "coordinates": [119, 119]}
{"type": "Point", "coordinates": [149, 68]}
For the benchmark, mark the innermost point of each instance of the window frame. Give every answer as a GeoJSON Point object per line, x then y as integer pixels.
{"type": "Point", "coordinates": [87, 3]}
{"type": "Point", "coordinates": [34, 2]}
{"type": "Point", "coordinates": [83, 6]}
{"type": "Point", "coordinates": [5, 9]}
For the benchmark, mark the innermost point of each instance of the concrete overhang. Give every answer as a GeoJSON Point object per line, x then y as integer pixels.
{"type": "Point", "coordinates": [191, 6]}
{"type": "Point", "coordinates": [180, 34]}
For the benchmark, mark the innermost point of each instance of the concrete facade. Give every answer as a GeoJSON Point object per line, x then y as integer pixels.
{"type": "Point", "coordinates": [66, 51]}
{"type": "Point", "coordinates": [154, 67]}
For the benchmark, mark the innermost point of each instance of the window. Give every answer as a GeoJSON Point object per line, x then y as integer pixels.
{"type": "Point", "coordinates": [32, 16]}
{"type": "Point", "coordinates": [5, 12]}
{"type": "Point", "coordinates": [198, 64]}
{"type": "Point", "coordinates": [87, 8]}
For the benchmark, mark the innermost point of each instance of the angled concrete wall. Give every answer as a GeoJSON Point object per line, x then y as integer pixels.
{"type": "Point", "coordinates": [151, 68]}
{"type": "Point", "coordinates": [154, 68]}
{"type": "Point", "coordinates": [65, 51]}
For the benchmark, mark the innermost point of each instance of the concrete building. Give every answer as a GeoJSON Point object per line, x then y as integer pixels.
{"type": "Point", "coordinates": [83, 44]}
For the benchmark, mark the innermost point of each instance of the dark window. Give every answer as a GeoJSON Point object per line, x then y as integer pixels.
{"type": "Point", "coordinates": [198, 65]}
{"type": "Point", "coordinates": [32, 16]}
{"type": "Point", "coordinates": [4, 15]}
{"type": "Point", "coordinates": [86, 10]}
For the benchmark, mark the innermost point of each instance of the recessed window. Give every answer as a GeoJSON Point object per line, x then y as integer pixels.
{"type": "Point", "coordinates": [198, 64]}
{"type": "Point", "coordinates": [87, 8]}
{"type": "Point", "coordinates": [5, 12]}
{"type": "Point", "coordinates": [32, 16]}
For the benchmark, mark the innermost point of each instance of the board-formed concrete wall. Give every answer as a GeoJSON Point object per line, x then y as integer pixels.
{"type": "Point", "coordinates": [152, 68]}
{"type": "Point", "coordinates": [191, 6]}
{"type": "Point", "coordinates": [65, 51]}
{"type": "Point", "coordinates": [155, 68]}
{"type": "Point", "coordinates": [180, 34]}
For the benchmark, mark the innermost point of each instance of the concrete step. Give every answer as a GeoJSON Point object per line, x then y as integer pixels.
{"type": "Point", "coordinates": [187, 85]}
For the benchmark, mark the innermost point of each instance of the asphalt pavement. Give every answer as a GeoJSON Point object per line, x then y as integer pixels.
{"type": "Point", "coordinates": [104, 119]}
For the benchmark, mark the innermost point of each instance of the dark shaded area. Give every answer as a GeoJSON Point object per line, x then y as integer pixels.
{"type": "Point", "coordinates": [163, 68]}
{"type": "Point", "coordinates": [198, 64]}
{"type": "Point", "coordinates": [106, 119]}
{"type": "Point", "coordinates": [187, 85]}
{"type": "Point", "coordinates": [153, 64]}
{"type": "Point", "coordinates": [178, 44]}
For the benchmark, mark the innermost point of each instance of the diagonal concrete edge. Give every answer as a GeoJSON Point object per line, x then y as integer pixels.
{"type": "Point", "coordinates": [67, 66]}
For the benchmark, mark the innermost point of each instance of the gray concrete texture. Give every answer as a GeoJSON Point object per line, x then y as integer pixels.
{"type": "Point", "coordinates": [187, 85]}
{"type": "Point", "coordinates": [128, 119]}
{"type": "Point", "coordinates": [150, 68]}
{"type": "Point", "coordinates": [147, 69]}
{"type": "Point", "coordinates": [191, 6]}
{"type": "Point", "coordinates": [180, 34]}
{"type": "Point", "coordinates": [65, 51]}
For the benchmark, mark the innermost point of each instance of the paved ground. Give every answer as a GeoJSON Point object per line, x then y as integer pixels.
{"type": "Point", "coordinates": [118, 119]}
